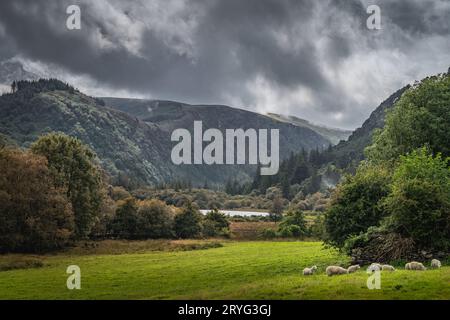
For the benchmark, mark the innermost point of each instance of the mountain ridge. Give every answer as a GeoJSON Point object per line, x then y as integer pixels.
{"type": "Point", "coordinates": [131, 150]}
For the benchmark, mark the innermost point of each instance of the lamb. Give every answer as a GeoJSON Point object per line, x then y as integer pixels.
{"type": "Point", "coordinates": [309, 271]}
{"type": "Point", "coordinates": [414, 265]}
{"type": "Point", "coordinates": [435, 263]}
{"type": "Point", "coordinates": [334, 270]}
{"type": "Point", "coordinates": [387, 267]}
{"type": "Point", "coordinates": [374, 267]}
{"type": "Point", "coordinates": [354, 268]}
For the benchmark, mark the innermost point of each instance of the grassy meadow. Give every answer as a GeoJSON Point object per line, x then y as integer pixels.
{"type": "Point", "coordinates": [206, 269]}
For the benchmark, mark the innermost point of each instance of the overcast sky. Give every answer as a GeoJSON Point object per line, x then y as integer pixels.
{"type": "Point", "coordinates": [315, 59]}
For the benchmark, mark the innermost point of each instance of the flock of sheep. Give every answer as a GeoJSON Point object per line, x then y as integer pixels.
{"type": "Point", "coordinates": [335, 270]}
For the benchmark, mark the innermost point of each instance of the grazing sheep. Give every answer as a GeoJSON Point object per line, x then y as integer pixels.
{"type": "Point", "coordinates": [309, 271]}
{"type": "Point", "coordinates": [435, 263]}
{"type": "Point", "coordinates": [414, 265]}
{"type": "Point", "coordinates": [354, 268]}
{"type": "Point", "coordinates": [387, 267]}
{"type": "Point", "coordinates": [374, 267]}
{"type": "Point", "coordinates": [333, 270]}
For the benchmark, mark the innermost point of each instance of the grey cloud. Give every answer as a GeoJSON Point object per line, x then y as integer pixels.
{"type": "Point", "coordinates": [315, 59]}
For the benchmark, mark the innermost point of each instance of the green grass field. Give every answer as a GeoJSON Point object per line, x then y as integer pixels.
{"type": "Point", "coordinates": [238, 270]}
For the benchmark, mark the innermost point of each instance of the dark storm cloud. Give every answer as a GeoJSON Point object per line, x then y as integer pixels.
{"type": "Point", "coordinates": [314, 59]}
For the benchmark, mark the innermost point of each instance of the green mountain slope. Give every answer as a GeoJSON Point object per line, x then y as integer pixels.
{"type": "Point", "coordinates": [350, 152]}
{"type": "Point", "coordinates": [134, 148]}
{"type": "Point", "coordinates": [170, 115]}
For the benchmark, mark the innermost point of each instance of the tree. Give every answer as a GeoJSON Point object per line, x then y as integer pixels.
{"type": "Point", "coordinates": [125, 224]}
{"type": "Point", "coordinates": [14, 87]}
{"type": "Point", "coordinates": [72, 165]}
{"type": "Point", "coordinates": [155, 220]}
{"type": "Point", "coordinates": [187, 224]}
{"type": "Point", "coordinates": [277, 209]}
{"type": "Point", "coordinates": [419, 205]}
{"type": "Point", "coordinates": [35, 215]}
{"type": "Point", "coordinates": [420, 118]}
{"type": "Point", "coordinates": [356, 204]}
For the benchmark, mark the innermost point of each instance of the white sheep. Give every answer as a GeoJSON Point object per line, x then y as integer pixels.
{"type": "Point", "coordinates": [435, 263]}
{"type": "Point", "coordinates": [334, 270]}
{"type": "Point", "coordinates": [374, 267]}
{"type": "Point", "coordinates": [309, 271]}
{"type": "Point", "coordinates": [354, 268]}
{"type": "Point", "coordinates": [387, 267]}
{"type": "Point", "coordinates": [414, 265]}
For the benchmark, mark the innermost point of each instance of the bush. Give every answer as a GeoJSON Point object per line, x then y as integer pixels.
{"type": "Point", "coordinates": [268, 234]}
{"type": "Point", "coordinates": [216, 224]}
{"type": "Point", "coordinates": [155, 220]}
{"type": "Point", "coordinates": [187, 224]}
{"type": "Point", "coordinates": [293, 225]}
{"type": "Point", "coordinates": [317, 228]}
{"type": "Point", "coordinates": [419, 205]}
{"type": "Point", "coordinates": [291, 231]}
{"type": "Point", "coordinates": [356, 204]}
{"type": "Point", "coordinates": [35, 215]}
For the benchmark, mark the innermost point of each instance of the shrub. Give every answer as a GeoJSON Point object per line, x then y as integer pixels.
{"type": "Point", "coordinates": [118, 193]}
{"type": "Point", "coordinates": [187, 224]}
{"type": "Point", "coordinates": [317, 228]}
{"type": "Point", "coordinates": [216, 224]}
{"type": "Point", "coordinates": [155, 220]}
{"type": "Point", "coordinates": [356, 204]}
{"type": "Point", "coordinates": [293, 225]}
{"type": "Point", "coordinates": [419, 205]}
{"type": "Point", "coordinates": [291, 231]}
{"type": "Point", "coordinates": [268, 234]}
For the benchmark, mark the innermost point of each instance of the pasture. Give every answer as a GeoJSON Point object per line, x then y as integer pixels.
{"type": "Point", "coordinates": [199, 269]}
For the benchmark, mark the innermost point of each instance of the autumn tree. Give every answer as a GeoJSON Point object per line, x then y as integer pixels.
{"type": "Point", "coordinates": [74, 170]}
{"type": "Point", "coordinates": [35, 215]}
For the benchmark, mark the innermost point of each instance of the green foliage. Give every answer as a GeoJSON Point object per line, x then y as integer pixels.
{"type": "Point", "coordinates": [355, 205]}
{"type": "Point", "coordinates": [420, 118]}
{"type": "Point", "coordinates": [155, 220]}
{"type": "Point", "coordinates": [73, 168]}
{"type": "Point", "coordinates": [187, 224]}
{"type": "Point", "coordinates": [216, 224]}
{"type": "Point", "coordinates": [419, 205]}
{"type": "Point", "coordinates": [317, 229]}
{"type": "Point", "coordinates": [293, 225]}
{"type": "Point", "coordinates": [149, 219]}
{"type": "Point", "coordinates": [126, 221]}
{"type": "Point", "coordinates": [269, 234]}
{"type": "Point", "coordinates": [35, 215]}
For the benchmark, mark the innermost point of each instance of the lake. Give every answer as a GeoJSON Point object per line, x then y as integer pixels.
{"type": "Point", "coordinates": [233, 213]}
